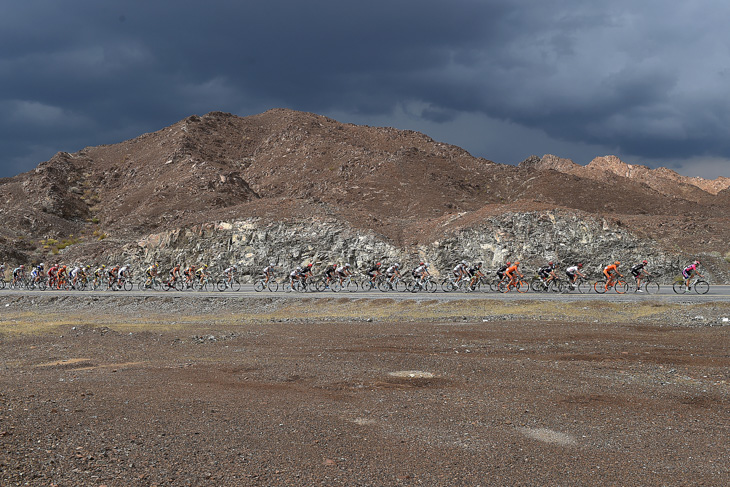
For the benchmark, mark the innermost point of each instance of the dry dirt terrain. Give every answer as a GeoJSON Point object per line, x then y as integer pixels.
{"type": "Point", "coordinates": [122, 392]}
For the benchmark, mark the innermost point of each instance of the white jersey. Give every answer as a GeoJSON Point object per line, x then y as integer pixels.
{"type": "Point", "coordinates": [123, 271]}
{"type": "Point", "coordinates": [229, 270]}
{"type": "Point", "coordinates": [572, 269]}
{"type": "Point", "coordinates": [392, 269]}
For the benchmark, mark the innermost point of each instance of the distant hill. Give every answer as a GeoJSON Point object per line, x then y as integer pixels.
{"type": "Point", "coordinates": [284, 165]}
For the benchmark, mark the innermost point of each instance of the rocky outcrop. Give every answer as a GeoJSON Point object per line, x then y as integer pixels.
{"type": "Point", "coordinates": [533, 238]}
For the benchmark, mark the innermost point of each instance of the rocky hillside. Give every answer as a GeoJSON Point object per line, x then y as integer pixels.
{"type": "Point", "coordinates": [381, 192]}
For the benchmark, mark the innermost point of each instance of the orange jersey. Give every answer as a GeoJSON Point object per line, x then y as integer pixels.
{"type": "Point", "coordinates": [511, 269]}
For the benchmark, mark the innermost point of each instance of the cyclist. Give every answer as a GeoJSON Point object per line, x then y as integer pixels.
{"type": "Point", "coordinates": [510, 273]}
{"type": "Point", "coordinates": [639, 271]}
{"type": "Point", "coordinates": [228, 272]}
{"type": "Point", "coordinates": [374, 271]}
{"type": "Point", "coordinates": [74, 275]}
{"type": "Point", "coordinates": [329, 274]}
{"type": "Point", "coordinates": [573, 272]}
{"type": "Point", "coordinates": [502, 270]}
{"type": "Point", "coordinates": [36, 273]}
{"type": "Point", "coordinates": [151, 273]}
{"type": "Point", "coordinates": [112, 275]}
{"type": "Point", "coordinates": [547, 273]}
{"type": "Point", "coordinates": [475, 271]}
{"type": "Point", "coordinates": [268, 272]}
{"type": "Point", "coordinates": [460, 271]}
{"type": "Point", "coordinates": [343, 271]}
{"type": "Point", "coordinates": [18, 274]}
{"type": "Point", "coordinates": [99, 274]}
{"type": "Point", "coordinates": [201, 273]}
{"type": "Point", "coordinates": [61, 276]}
{"type": "Point", "coordinates": [174, 275]}
{"type": "Point", "coordinates": [393, 271]}
{"type": "Point", "coordinates": [689, 271]}
{"type": "Point", "coordinates": [611, 272]}
{"type": "Point", "coordinates": [421, 271]}
{"type": "Point", "coordinates": [296, 274]}
{"type": "Point", "coordinates": [124, 274]}
{"type": "Point", "coordinates": [189, 275]}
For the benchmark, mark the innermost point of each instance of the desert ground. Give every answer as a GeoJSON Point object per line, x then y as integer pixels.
{"type": "Point", "coordinates": [160, 391]}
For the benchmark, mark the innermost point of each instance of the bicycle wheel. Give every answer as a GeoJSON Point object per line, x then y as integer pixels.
{"type": "Point", "coordinates": [287, 287]}
{"type": "Point", "coordinates": [651, 287]}
{"type": "Point", "coordinates": [556, 286]}
{"type": "Point", "coordinates": [537, 286]}
{"type": "Point", "coordinates": [272, 286]}
{"type": "Point", "coordinates": [432, 286]}
{"type": "Point", "coordinates": [335, 286]}
{"type": "Point", "coordinates": [401, 286]}
{"type": "Point", "coordinates": [447, 285]}
{"type": "Point", "coordinates": [384, 285]}
{"type": "Point", "coordinates": [620, 287]}
{"type": "Point", "coordinates": [600, 286]}
{"type": "Point", "coordinates": [351, 286]}
{"type": "Point", "coordinates": [522, 286]}
{"type": "Point", "coordinates": [679, 287]}
{"type": "Point", "coordinates": [503, 286]}
{"type": "Point", "coordinates": [258, 286]}
{"type": "Point", "coordinates": [583, 286]}
{"type": "Point", "coordinates": [701, 287]}
{"type": "Point", "coordinates": [127, 285]}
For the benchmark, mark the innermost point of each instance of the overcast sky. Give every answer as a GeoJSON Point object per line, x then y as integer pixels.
{"type": "Point", "coordinates": [647, 81]}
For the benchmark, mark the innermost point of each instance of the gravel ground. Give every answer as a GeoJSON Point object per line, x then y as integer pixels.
{"type": "Point", "coordinates": [124, 392]}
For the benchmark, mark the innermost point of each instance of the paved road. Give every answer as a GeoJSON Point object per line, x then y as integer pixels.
{"type": "Point", "coordinates": [716, 293]}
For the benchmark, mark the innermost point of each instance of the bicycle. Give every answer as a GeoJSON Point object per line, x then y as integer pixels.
{"type": "Point", "coordinates": [700, 286]}
{"type": "Point", "coordinates": [151, 284]}
{"type": "Point", "coordinates": [452, 283]}
{"type": "Point", "coordinates": [427, 284]}
{"type": "Point", "coordinates": [648, 284]}
{"type": "Point", "coordinates": [224, 283]}
{"type": "Point", "coordinates": [619, 285]}
{"type": "Point", "coordinates": [261, 284]}
{"type": "Point", "coordinates": [347, 284]}
{"type": "Point", "coordinates": [122, 284]}
{"type": "Point", "coordinates": [581, 284]}
{"type": "Point", "coordinates": [551, 284]}
{"type": "Point", "coordinates": [507, 284]}
{"type": "Point", "coordinates": [395, 283]}
{"type": "Point", "coordinates": [369, 283]}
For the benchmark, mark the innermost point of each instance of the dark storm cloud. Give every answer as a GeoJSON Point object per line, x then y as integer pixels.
{"type": "Point", "coordinates": [636, 78]}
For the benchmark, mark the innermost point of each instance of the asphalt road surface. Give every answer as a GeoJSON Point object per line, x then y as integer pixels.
{"type": "Point", "coordinates": [665, 294]}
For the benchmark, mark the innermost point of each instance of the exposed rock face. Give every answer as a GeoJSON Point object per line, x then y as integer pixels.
{"type": "Point", "coordinates": [533, 238]}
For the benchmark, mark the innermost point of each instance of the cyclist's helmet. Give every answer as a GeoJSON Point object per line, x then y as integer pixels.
{"type": "Point", "coordinates": [463, 262]}
{"type": "Point", "coordinates": [378, 264]}
{"type": "Point", "coordinates": [697, 262]}
{"type": "Point", "coordinates": [103, 266]}
{"type": "Point", "coordinates": [421, 263]}
{"type": "Point", "coordinates": [22, 267]}
{"type": "Point", "coordinates": [517, 263]}
{"type": "Point", "coordinates": [617, 263]}
{"type": "Point", "coordinates": [550, 263]}
{"type": "Point", "coordinates": [346, 265]}
{"type": "Point", "coordinates": [397, 264]}
{"type": "Point", "coordinates": [644, 261]}
{"type": "Point", "coordinates": [580, 265]}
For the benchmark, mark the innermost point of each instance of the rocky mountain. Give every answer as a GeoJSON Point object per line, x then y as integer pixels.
{"type": "Point", "coordinates": [207, 187]}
